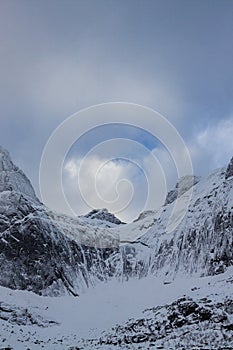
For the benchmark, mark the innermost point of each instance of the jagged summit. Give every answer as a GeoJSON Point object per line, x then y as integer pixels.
{"type": "Point", "coordinates": [5, 160]}
{"type": "Point", "coordinates": [12, 178]}
{"type": "Point", "coordinates": [229, 171]}
{"type": "Point", "coordinates": [103, 215]}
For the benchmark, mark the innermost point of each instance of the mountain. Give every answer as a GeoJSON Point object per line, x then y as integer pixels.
{"type": "Point", "coordinates": [42, 251]}
{"type": "Point", "coordinates": [13, 179]}
{"type": "Point", "coordinates": [202, 243]}
{"type": "Point", "coordinates": [101, 216]}
{"type": "Point", "coordinates": [165, 289]}
{"type": "Point", "coordinates": [52, 253]}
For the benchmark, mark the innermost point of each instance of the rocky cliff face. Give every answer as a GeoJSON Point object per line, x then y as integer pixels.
{"type": "Point", "coordinates": [202, 243]}
{"type": "Point", "coordinates": [38, 253]}
{"type": "Point", "coordinates": [54, 254]}
{"type": "Point", "coordinates": [229, 171]}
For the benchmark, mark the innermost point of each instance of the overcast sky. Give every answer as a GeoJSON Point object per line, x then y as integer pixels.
{"type": "Point", "coordinates": [57, 57]}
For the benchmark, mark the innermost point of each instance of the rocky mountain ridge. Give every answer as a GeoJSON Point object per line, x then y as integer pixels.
{"type": "Point", "coordinates": [53, 254]}
{"type": "Point", "coordinates": [37, 253]}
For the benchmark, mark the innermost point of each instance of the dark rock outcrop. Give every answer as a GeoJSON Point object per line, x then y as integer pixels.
{"type": "Point", "coordinates": [103, 215]}
{"type": "Point", "coordinates": [229, 171]}
{"type": "Point", "coordinates": [182, 186]}
{"type": "Point", "coordinates": [173, 325]}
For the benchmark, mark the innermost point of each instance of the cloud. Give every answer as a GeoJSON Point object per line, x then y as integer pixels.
{"type": "Point", "coordinates": [94, 182]}
{"type": "Point", "coordinates": [57, 59]}
{"type": "Point", "coordinates": [212, 147]}
{"type": "Point", "coordinates": [124, 186]}
{"type": "Point", "coordinates": [98, 178]}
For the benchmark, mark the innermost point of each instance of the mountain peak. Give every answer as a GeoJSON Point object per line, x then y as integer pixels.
{"type": "Point", "coordinates": [103, 215]}
{"type": "Point", "coordinates": [12, 178]}
{"type": "Point", "coordinates": [6, 163]}
{"type": "Point", "coordinates": [229, 171]}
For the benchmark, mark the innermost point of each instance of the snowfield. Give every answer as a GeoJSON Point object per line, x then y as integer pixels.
{"type": "Point", "coordinates": [67, 321]}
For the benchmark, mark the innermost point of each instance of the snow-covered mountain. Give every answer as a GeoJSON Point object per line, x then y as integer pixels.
{"type": "Point", "coordinates": [55, 253]}
{"type": "Point", "coordinates": [13, 179]}
{"type": "Point", "coordinates": [43, 251]}
{"type": "Point", "coordinates": [52, 254]}
{"type": "Point", "coordinates": [202, 244]}
{"type": "Point", "coordinates": [102, 217]}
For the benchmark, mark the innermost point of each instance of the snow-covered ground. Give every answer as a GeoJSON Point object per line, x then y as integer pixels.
{"type": "Point", "coordinates": [64, 321]}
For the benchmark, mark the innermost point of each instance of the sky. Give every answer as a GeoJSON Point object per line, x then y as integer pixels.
{"type": "Point", "coordinates": [58, 57]}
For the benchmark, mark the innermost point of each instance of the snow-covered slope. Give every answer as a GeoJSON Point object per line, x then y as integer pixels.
{"type": "Point", "coordinates": [202, 243]}
{"type": "Point", "coordinates": [193, 313]}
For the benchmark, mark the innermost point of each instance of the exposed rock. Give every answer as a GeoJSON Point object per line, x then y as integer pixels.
{"type": "Point", "coordinates": [13, 179]}
{"type": "Point", "coordinates": [229, 171]}
{"type": "Point", "coordinates": [104, 215]}
{"type": "Point", "coordinates": [144, 214]}
{"type": "Point", "coordinates": [22, 316]}
{"type": "Point", "coordinates": [174, 324]}
{"type": "Point", "coordinates": [35, 254]}
{"type": "Point", "coordinates": [182, 186]}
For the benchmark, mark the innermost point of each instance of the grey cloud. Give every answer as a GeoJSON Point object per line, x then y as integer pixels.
{"type": "Point", "coordinates": [57, 57]}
